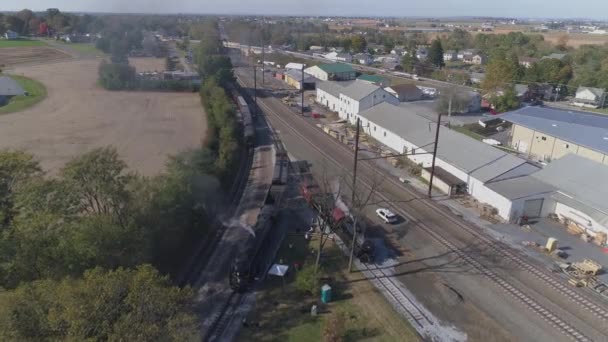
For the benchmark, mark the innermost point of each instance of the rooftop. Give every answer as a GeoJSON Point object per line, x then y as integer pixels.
{"type": "Point", "coordinates": [405, 88]}
{"type": "Point", "coordinates": [336, 68]}
{"type": "Point", "coordinates": [477, 159]}
{"type": "Point", "coordinates": [359, 89]}
{"type": "Point", "coordinates": [333, 88]}
{"type": "Point", "coordinates": [10, 87]}
{"type": "Point", "coordinates": [596, 91]}
{"type": "Point", "coordinates": [520, 187]}
{"type": "Point", "coordinates": [371, 78]}
{"type": "Point", "coordinates": [581, 128]}
{"type": "Point", "coordinates": [580, 179]}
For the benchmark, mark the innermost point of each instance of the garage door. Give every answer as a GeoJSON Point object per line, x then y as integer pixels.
{"type": "Point", "coordinates": [533, 208]}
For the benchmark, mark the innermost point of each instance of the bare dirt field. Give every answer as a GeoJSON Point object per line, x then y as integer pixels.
{"type": "Point", "coordinates": [30, 54]}
{"type": "Point", "coordinates": [77, 116]}
{"type": "Point", "coordinates": [147, 63]}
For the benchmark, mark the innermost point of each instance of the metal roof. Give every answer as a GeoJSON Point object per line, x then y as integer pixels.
{"type": "Point", "coordinates": [579, 178]}
{"type": "Point", "coordinates": [477, 159]}
{"type": "Point", "coordinates": [297, 75]}
{"type": "Point", "coordinates": [371, 78]}
{"type": "Point", "coordinates": [296, 66]}
{"type": "Point", "coordinates": [10, 87]}
{"type": "Point", "coordinates": [520, 187]}
{"type": "Point", "coordinates": [333, 88]}
{"type": "Point", "coordinates": [336, 68]}
{"type": "Point", "coordinates": [358, 90]}
{"type": "Point", "coordinates": [581, 128]}
{"type": "Point", "coordinates": [595, 91]}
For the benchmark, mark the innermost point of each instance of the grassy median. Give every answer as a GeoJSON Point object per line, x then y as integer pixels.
{"type": "Point", "coordinates": [20, 43]}
{"type": "Point", "coordinates": [36, 92]}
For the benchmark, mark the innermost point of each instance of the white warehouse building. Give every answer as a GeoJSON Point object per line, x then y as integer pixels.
{"type": "Point", "coordinates": [479, 166]}
{"type": "Point", "coordinates": [349, 98]}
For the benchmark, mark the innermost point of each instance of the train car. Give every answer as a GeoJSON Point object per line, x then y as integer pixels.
{"type": "Point", "coordinates": [281, 169]}
{"type": "Point", "coordinates": [325, 204]}
{"type": "Point", "coordinates": [249, 135]}
{"type": "Point", "coordinates": [246, 265]}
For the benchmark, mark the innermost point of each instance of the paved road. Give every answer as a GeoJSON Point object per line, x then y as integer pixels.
{"type": "Point", "coordinates": [484, 298]}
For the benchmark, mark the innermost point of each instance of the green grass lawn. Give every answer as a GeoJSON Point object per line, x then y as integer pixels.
{"type": "Point", "coordinates": [84, 48]}
{"type": "Point", "coordinates": [20, 43]}
{"type": "Point", "coordinates": [36, 93]}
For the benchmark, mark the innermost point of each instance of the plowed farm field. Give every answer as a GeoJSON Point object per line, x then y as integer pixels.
{"type": "Point", "coordinates": [78, 116]}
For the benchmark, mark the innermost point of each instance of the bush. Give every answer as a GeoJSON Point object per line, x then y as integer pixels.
{"type": "Point", "coordinates": [305, 279]}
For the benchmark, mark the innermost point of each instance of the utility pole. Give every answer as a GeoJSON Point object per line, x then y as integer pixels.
{"type": "Point", "coordinates": [302, 88]}
{"type": "Point", "coordinates": [263, 63]}
{"type": "Point", "coordinates": [434, 155]}
{"type": "Point", "coordinates": [255, 88]}
{"type": "Point", "coordinates": [353, 197]}
{"type": "Point", "coordinates": [450, 106]}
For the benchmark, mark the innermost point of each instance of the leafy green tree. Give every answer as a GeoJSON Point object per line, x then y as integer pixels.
{"type": "Point", "coordinates": [458, 39]}
{"type": "Point", "coordinates": [116, 76]}
{"type": "Point", "coordinates": [100, 178]}
{"type": "Point", "coordinates": [409, 61]}
{"type": "Point", "coordinates": [358, 43]}
{"type": "Point", "coordinates": [499, 75]}
{"type": "Point", "coordinates": [16, 169]}
{"type": "Point", "coordinates": [126, 305]}
{"type": "Point", "coordinates": [436, 54]}
{"type": "Point", "coordinates": [505, 102]}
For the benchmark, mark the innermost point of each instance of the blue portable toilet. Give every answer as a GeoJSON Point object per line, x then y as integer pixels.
{"type": "Point", "coordinates": [326, 293]}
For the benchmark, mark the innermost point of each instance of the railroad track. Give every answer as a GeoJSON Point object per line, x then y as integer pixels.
{"type": "Point", "coordinates": [530, 303]}
{"type": "Point", "coordinates": [558, 284]}
{"type": "Point", "coordinates": [222, 320]}
{"type": "Point", "coordinates": [386, 281]}
{"type": "Point", "coordinates": [206, 249]}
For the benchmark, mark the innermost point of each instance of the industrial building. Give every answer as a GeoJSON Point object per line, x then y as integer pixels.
{"type": "Point", "coordinates": [547, 134]}
{"type": "Point", "coordinates": [475, 164]}
{"type": "Point", "coordinates": [332, 72]}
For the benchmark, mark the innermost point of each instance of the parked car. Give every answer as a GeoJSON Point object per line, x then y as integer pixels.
{"type": "Point", "coordinates": [386, 215]}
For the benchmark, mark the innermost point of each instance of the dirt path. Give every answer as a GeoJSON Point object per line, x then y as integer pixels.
{"type": "Point", "coordinates": [77, 116]}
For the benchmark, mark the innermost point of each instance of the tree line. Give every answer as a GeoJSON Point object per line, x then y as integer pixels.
{"type": "Point", "coordinates": [80, 251]}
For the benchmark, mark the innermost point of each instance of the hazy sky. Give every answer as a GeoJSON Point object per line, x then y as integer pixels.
{"type": "Point", "coordinates": [498, 8]}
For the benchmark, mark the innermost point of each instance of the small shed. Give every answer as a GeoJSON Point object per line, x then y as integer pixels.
{"type": "Point", "coordinates": [445, 181]}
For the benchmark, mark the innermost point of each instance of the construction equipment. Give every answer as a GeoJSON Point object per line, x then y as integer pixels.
{"type": "Point", "coordinates": [551, 245]}
{"type": "Point", "coordinates": [587, 267]}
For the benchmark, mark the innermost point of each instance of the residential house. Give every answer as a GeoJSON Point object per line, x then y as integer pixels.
{"type": "Point", "coordinates": [339, 57]}
{"type": "Point", "coordinates": [332, 72]}
{"type": "Point", "coordinates": [294, 79]}
{"type": "Point", "coordinates": [375, 79]}
{"type": "Point", "coordinates": [337, 49]}
{"type": "Point", "coordinates": [472, 165]}
{"type": "Point", "coordinates": [405, 92]}
{"type": "Point", "coordinates": [363, 58]}
{"type": "Point", "coordinates": [385, 59]}
{"type": "Point", "coordinates": [422, 53]}
{"type": "Point", "coordinates": [316, 48]}
{"type": "Point", "coordinates": [468, 52]}
{"type": "Point", "coordinates": [527, 61]}
{"type": "Point", "coordinates": [589, 97]}
{"type": "Point", "coordinates": [547, 134]}
{"type": "Point", "coordinates": [9, 88]}
{"type": "Point", "coordinates": [393, 66]}
{"type": "Point", "coordinates": [450, 55]}
{"type": "Point", "coordinates": [478, 59]}
{"type": "Point", "coordinates": [559, 56]}
{"type": "Point", "coordinates": [398, 51]}
{"type": "Point", "coordinates": [11, 35]}
{"type": "Point", "coordinates": [294, 66]}
{"type": "Point", "coordinates": [359, 96]}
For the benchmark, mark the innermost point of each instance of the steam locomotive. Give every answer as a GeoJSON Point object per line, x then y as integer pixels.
{"type": "Point", "coordinates": [247, 263]}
